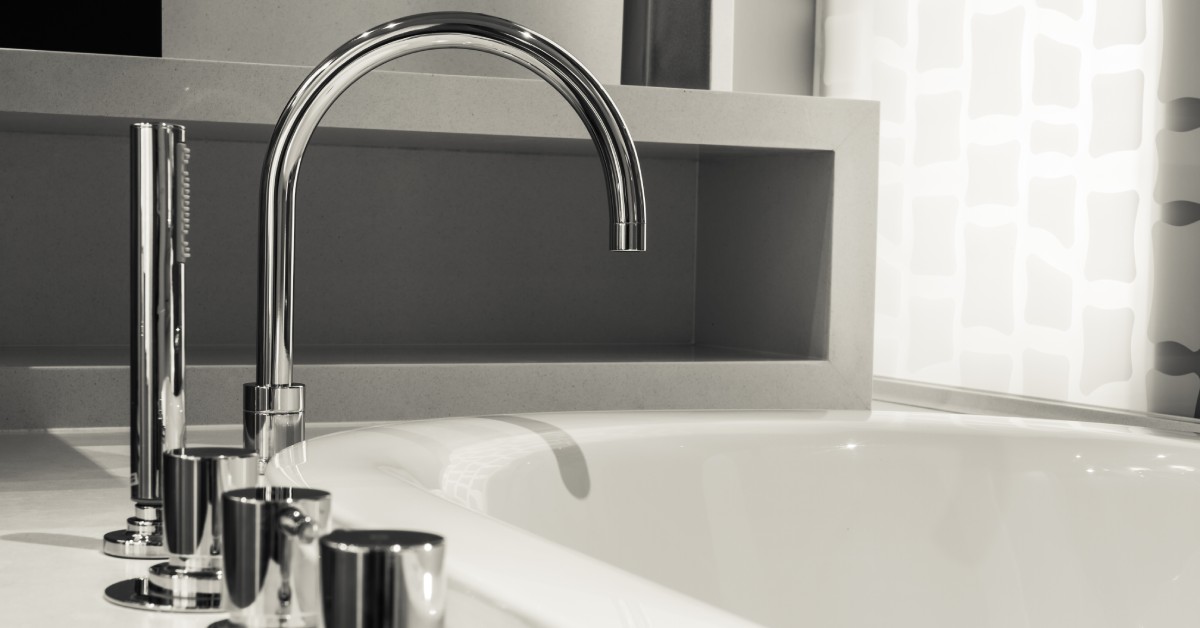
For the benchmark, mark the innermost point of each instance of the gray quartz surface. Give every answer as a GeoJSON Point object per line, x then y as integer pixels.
{"type": "Point", "coordinates": [118, 355]}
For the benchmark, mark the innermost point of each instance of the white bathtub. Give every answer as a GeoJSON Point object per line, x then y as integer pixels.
{"type": "Point", "coordinates": [822, 519]}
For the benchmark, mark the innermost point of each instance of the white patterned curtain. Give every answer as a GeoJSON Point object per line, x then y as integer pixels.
{"type": "Point", "coordinates": [1022, 212]}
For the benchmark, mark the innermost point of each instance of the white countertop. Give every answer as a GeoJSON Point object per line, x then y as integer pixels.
{"type": "Point", "coordinates": [59, 494]}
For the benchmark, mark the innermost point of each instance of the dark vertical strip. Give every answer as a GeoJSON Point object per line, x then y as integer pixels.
{"type": "Point", "coordinates": [667, 43]}
{"type": "Point", "coordinates": [635, 43]}
{"type": "Point", "coordinates": [1171, 307]}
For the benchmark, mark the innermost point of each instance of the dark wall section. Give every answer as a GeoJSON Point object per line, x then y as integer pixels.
{"type": "Point", "coordinates": [113, 28]}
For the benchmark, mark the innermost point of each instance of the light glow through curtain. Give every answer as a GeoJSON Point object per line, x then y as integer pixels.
{"type": "Point", "coordinates": [1017, 208]}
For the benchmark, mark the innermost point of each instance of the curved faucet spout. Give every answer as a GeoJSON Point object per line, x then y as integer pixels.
{"type": "Point", "coordinates": [275, 393]}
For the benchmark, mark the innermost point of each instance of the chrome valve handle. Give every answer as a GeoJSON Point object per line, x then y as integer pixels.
{"type": "Point", "coordinates": [270, 556]}
{"type": "Point", "coordinates": [190, 581]}
{"type": "Point", "coordinates": [382, 578]}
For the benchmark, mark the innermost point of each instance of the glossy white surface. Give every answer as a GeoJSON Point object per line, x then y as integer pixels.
{"type": "Point", "coordinates": [786, 518]}
{"type": "Point", "coordinates": [59, 493]}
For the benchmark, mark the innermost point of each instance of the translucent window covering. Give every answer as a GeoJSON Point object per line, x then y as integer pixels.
{"type": "Point", "coordinates": [1021, 215]}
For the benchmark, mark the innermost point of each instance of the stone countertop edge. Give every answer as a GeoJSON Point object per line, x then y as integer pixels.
{"type": "Point", "coordinates": [109, 90]}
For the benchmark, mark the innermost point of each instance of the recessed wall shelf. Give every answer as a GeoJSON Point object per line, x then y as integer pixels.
{"type": "Point", "coordinates": [451, 236]}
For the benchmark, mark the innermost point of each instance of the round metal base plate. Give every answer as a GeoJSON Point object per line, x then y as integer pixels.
{"type": "Point", "coordinates": [178, 582]}
{"type": "Point", "coordinates": [126, 544]}
{"type": "Point", "coordinates": [139, 593]}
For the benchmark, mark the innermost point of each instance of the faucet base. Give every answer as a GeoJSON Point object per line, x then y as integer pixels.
{"type": "Point", "coordinates": [142, 537]}
{"type": "Point", "coordinates": [181, 582]}
{"type": "Point", "coordinates": [272, 419]}
{"type": "Point", "coordinates": [269, 434]}
{"type": "Point", "coordinates": [142, 594]}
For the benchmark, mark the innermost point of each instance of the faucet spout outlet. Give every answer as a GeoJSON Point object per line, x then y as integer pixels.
{"type": "Point", "coordinates": [272, 419]}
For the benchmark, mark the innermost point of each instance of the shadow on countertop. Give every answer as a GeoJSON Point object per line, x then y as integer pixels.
{"type": "Point", "coordinates": [33, 461]}
{"type": "Point", "coordinates": [69, 541]}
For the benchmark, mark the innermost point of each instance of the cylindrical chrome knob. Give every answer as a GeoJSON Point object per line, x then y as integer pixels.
{"type": "Point", "coordinates": [194, 480]}
{"type": "Point", "coordinates": [271, 574]}
{"type": "Point", "coordinates": [382, 579]}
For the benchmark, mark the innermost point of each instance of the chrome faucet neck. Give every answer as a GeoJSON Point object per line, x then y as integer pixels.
{"type": "Point", "coordinates": [322, 87]}
{"type": "Point", "coordinates": [368, 51]}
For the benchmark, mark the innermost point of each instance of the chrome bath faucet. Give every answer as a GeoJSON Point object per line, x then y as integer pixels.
{"type": "Point", "coordinates": [273, 406]}
{"type": "Point", "coordinates": [160, 202]}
